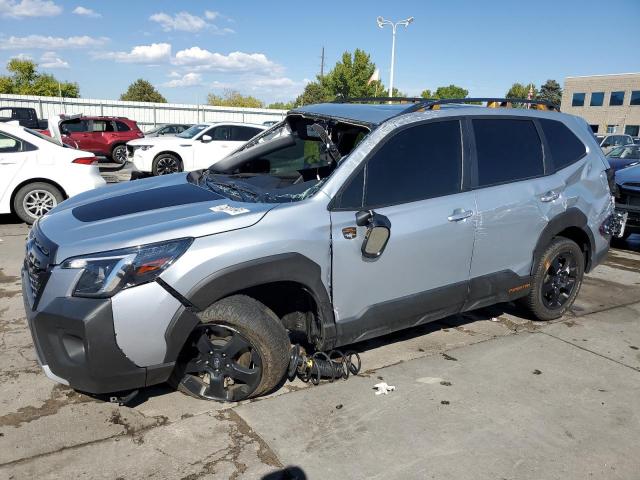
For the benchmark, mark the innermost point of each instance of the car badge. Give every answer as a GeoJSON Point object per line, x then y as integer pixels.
{"type": "Point", "coordinates": [349, 233]}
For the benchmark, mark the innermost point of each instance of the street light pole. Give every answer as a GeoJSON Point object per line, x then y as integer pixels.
{"type": "Point", "coordinates": [381, 23]}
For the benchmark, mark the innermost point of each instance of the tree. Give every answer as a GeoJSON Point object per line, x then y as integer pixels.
{"type": "Point", "coordinates": [24, 79]}
{"type": "Point", "coordinates": [281, 105]}
{"type": "Point", "coordinates": [233, 98]}
{"type": "Point", "coordinates": [314, 92]}
{"type": "Point", "coordinates": [350, 77]}
{"type": "Point", "coordinates": [142, 91]}
{"type": "Point", "coordinates": [451, 91]}
{"type": "Point", "coordinates": [396, 93]}
{"type": "Point", "coordinates": [519, 90]}
{"type": "Point", "coordinates": [551, 92]}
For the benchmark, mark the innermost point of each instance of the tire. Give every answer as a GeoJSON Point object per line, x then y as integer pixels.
{"type": "Point", "coordinates": [244, 319]}
{"type": "Point", "coordinates": [35, 199]}
{"type": "Point", "coordinates": [119, 154]}
{"type": "Point", "coordinates": [165, 164]}
{"type": "Point", "coordinates": [552, 291]}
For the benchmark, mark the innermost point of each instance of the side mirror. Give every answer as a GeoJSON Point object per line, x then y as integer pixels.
{"type": "Point", "coordinates": [378, 233]}
{"type": "Point", "coordinates": [206, 138]}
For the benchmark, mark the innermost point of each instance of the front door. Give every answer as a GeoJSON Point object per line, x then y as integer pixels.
{"type": "Point", "coordinates": [414, 180]}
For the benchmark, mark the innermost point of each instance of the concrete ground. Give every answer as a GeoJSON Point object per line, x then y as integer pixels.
{"type": "Point", "coordinates": [487, 394]}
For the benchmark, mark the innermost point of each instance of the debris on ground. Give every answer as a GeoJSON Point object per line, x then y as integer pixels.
{"type": "Point", "coordinates": [536, 372]}
{"type": "Point", "coordinates": [449, 357]}
{"type": "Point", "coordinates": [383, 388]}
{"type": "Point", "coordinates": [445, 383]}
{"type": "Point", "coordinates": [339, 406]}
{"type": "Point", "coordinates": [445, 402]}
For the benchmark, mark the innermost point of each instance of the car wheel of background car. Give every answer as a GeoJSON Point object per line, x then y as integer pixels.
{"type": "Point", "coordinates": [165, 164]}
{"type": "Point", "coordinates": [240, 350]}
{"type": "Point", "coordinates": [119, 154]}
{"type": "Point", "coordinates": [556, 280]}
{"type": "Point", "coordinates": [35, 199]}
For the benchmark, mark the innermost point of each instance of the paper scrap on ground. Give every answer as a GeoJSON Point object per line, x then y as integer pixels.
{"type": "Point", "coordinates": [383, 388]}
{"type": "Point", "coordinates": [228, 209]}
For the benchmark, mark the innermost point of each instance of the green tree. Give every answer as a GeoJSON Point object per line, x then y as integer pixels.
{"type": "Point", "coordinates": [551, 92]}
{"type": "Point", "coordinates": [451, 91]}
{"type": "Point", "coordinates": [142, 91]}
{"type": "Point", "coordinates": [314, 92]}
{"type": "Point", "coordinates": [281, 105]}
{"type": "Point", "coordinates": [233, 98]}
{"type": "Point", "coordinates": [350, 77]}
{"type": "Point", "coordinates": [396, 92]}
{"type": "Point", "coordinates": [24, 79]}
{"type": "Point", "coordinates": [518, 90]}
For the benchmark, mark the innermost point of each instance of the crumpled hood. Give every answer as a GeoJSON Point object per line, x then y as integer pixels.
{"type": "Point", "coordinates": [143, 211]}
{"type": "Point", "coordinates": [629, 178]}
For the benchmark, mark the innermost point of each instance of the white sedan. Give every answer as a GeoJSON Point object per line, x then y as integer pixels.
{"type": "Point", "coordinates": [37, 172]}
{"type": "Point", "coordinates": [197, 147]}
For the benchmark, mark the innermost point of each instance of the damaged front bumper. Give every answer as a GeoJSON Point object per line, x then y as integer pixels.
{"type": "Point", "coordinates": [615, 224]}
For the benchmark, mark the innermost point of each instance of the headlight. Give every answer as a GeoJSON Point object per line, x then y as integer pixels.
{"type": "Point", "coordinates": [141, 147]}
{"type": "Point", "coordinates": [105, 274]}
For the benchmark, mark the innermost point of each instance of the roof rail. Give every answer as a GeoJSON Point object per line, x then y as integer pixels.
{"type": "Point", "coordinates": [419, 103]}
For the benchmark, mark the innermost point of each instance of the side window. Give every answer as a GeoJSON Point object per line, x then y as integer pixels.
{"type": "Point", "coordinates": [121, 126]}
{"type": "Point", "coordinates": [242, 134]}
{"type": "Point", "coordinates": [9, 144]}
{"type": "Point", "coordinates": [220, 133]}
{"type": "Point", "coordinates": [419, 162]}
{"type": "Point", "coordinates": [101, 126]}
{"type": "Point", "coordinates": [352, 196]}
{"type": "Point", "coordinates": [564, 146]}
{"type": "Point", "coordinates": [508, 150]}
{"type": "Point", "coordinates": [74, 126]}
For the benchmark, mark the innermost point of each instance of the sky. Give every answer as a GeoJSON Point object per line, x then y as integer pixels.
{"type": "Point", "coordinates": [270, 50]}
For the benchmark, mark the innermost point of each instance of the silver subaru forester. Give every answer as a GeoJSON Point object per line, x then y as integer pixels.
{"type": "Point", "coordinates": [345, 222]}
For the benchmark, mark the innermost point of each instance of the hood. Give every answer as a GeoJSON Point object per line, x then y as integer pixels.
{"type": "Point", "coordinates": [158, 140]}
{"type": "Point", "coordinates": [143, 211]}
{"type": "Point", "coordinates": [629, 178]}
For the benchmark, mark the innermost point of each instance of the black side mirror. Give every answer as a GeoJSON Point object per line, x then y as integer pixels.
{"type": "Point", "coordinates": [378, 233]}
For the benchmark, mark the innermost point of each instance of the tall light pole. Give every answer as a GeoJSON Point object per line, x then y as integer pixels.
{"type": "Point", "coordinates": [381, 23]}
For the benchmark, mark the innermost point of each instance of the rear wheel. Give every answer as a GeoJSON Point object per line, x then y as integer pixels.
{"type": "Point", "coordinates": [240, 350]}
{"type": "Point", "coordinates": [119, 154]}
{"type": "Point", "coordinates": [166, 164]}
{"type": "Point", "coordinates": [556, 280]}
{"type": "Point", "coordinates": [35, 199]}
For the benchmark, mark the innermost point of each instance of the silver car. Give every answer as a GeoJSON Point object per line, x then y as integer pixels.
{"type": "Point", "coordinates": [342, 223]}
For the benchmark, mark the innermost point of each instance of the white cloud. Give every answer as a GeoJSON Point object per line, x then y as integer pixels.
{"type": "Point", "coordinates": [211, 15]}
{"type": "Point", "coordinates": [51, 60]}
{"type": "Point", "coordinates": [183, 21]}
{"type": "Point", "coordinates": [273, 82]}
{"type": "Point", "coordinates": [29, 8]}
{"type": "Point", "coordinates": [188, 80]}
{"type": "Point", "coordinates": [86, 12]}
{"type": "Point", "coordinates": [49, 43]}
{"type": "Point", "coordinates": [22, 56]}
{"type": "Point", "coordinates": [154, 53]}
{"type": "Point", "coordinates": [202, 59]}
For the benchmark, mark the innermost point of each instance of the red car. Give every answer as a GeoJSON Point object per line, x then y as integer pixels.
{"type": "Point", "coordinates": [105, 136]}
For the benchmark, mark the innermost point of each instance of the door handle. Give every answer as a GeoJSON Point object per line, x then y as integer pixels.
{"type": "Point", "coordinates": [550, 196]}
{"type": "Point", "coordinates": [459, 214]}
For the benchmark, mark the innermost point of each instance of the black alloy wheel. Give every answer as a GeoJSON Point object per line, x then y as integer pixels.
{"type": "Point", "coordinates": [560, 280]}
{"type": "Point", "coordinates": [224, 364]}
{"type": "Point", "coordinates": [167, 165]}
{"type": "Point", "coordinates": [119, 154]}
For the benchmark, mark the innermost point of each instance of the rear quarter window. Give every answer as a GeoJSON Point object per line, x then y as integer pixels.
{"type": "Point", "coordinates": [122, 127]}
{"type": "Point", "coordinates": [565, 148]}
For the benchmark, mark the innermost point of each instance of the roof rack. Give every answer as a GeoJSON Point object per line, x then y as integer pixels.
{"type": "Point", "coordinates": [419, 104]}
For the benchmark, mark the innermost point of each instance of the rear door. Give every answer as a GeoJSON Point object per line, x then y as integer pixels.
{"type": "Point", "coordinates": [415, 179]}
{"type": "Point", "coordinates": [78, 131]}
{"type": "Point", "coordinates": [12, 159]}
{"type": "Point", "coordinates": [514, 196]}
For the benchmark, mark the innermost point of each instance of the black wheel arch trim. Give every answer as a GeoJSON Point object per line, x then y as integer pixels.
{"type": "Point", "coordinates": [572, 217]}
{"type": "Point", "coordinates": [285, 267]}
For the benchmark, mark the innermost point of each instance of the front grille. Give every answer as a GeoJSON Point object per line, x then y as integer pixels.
{"type": "Point", "coordinates": [39, 254]}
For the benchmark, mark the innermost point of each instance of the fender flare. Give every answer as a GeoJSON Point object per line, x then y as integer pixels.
{"type": "Point", "coordinates": [285, 267]}
{"type": "Point", "coordinates": [572, 217]}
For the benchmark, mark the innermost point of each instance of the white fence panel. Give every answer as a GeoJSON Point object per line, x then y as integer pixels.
{"type": "Point", "coordinates": [145, 113]}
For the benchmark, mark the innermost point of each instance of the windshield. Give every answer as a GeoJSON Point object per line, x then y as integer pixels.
{"type": "Point", "coordinates": [42, 136]}
{"type": "Point", "coordinates": [153, 130]}
{"type": "Point", "coordinates": [625, 152]}
{"type": "Point", "coordinates": [192, 131]}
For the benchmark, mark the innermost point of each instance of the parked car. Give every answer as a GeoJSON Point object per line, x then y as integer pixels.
{"type": "Point", "coordinates": [347, 222]}
{"type": "Point", "coordinates": [37, 172]}
{"type": "Point", "coordinates": [197, 147]}
{"type": "Point", "coordinates": [623, 157]}
{"type": "Point", "coordinates": [609, 142]}
{"type": "Point", "coordinates": [628, 197]}
{"type": "Point", "coordinates": [269, 123]}
{"type": "Point", "coordinates": [105, 136]}
{"type": "Point", "coordinates": [169, 129]}
{"type": "Point", "coordinates": [636, 140]}
{"type": "Point", "coordinates": [26, 117]}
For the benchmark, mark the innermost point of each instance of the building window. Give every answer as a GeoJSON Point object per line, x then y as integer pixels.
{"type": "Point", "coordinates": [597, 99]}
{"type": "Point", "coordinates": [632, 130]}
{"type": "Point", "coordinates": [635, 97]}
{"type": "Point", "coordinates": [611, 128]}
{"type": "Point", "coordinates": [616, 99]}
{"type": "Point", "coordinates": [578, 100]}
{"type": "Point", "coordinates": [594, 128]}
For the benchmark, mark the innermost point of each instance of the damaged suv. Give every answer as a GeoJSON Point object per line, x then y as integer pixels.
{"type": "Point", "coordinates": [345, 222]}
